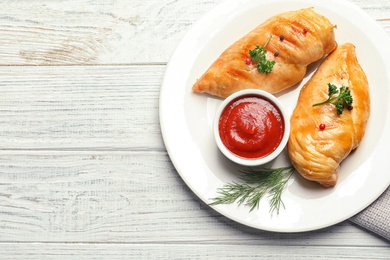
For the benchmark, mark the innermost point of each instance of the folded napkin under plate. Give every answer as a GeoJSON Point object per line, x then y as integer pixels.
{"type": "Point", "coordinates": [376, 217]}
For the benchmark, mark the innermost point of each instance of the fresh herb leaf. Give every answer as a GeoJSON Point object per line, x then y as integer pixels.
{"type": "Point", "coordinates": [258, 55]}
{"type": "Point", "coordinates": [265, 66]}
{"type": "Point", "coordinates": [343, 99]}
{"type": "Point", "coordinates": [255, 184]}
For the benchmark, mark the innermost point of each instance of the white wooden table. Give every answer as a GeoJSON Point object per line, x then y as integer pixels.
{"type": "Point", "coordinates": [83, 169]}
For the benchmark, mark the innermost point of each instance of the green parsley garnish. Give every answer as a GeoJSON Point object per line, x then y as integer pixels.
{"type": "Point", "coordinates": [259, 55]}
{"type": "Point", "coordinates": [343, 99]}
{"type": "Point", "coordinates": [256, 183]}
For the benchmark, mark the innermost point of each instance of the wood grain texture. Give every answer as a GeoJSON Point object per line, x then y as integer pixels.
{"type": "Point", "coordinates": [180, 251]}
{"type": "Point", "coordinates": [125, 197]}
{"type": "Point", "coordinates": [107, 32]}
{"type": "Point", "coordinates": [84, 173]}
{"type": "Point", "coordinates": [80, 107]}
{"type": "Point", "coordinates": [94, 32]}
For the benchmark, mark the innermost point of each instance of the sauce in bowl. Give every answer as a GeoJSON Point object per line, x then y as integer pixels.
{"type": "Point", "coordinates": [251, 127]}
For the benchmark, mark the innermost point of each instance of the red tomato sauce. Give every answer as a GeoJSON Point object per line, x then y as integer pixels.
{"type": "Point", "coordinates": [251, 127]}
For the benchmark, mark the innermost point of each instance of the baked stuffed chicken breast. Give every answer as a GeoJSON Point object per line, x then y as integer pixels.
{"type": "Point", "coordinates": [292, 40]}
{"type": "Point", "coordinates": [322, 136]}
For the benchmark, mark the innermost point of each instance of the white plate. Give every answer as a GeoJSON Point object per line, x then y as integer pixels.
{"type": "Point", "coordinates": [186, 118]}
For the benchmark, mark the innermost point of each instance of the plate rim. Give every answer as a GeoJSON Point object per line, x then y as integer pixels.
{"type": "Point", "coordinates": [162, 108]}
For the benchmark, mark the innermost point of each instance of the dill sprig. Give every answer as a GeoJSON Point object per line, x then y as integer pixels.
{"type": "Point", "coordinates": [255, 184]}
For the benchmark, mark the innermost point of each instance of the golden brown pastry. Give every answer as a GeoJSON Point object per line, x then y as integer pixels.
{"type": "Point", "coordinates": [320, 137]}
{"type": "Point", "coordinates": [299, 38]}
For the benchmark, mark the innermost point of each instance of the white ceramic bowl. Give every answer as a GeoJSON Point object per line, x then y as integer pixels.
{"type": "Point", "coordinates": [251, 161]}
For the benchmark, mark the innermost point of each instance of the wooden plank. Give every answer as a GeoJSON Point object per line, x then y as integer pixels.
{"type": "Point", "coordinates": [92, 107]}
{"type": "Point", "coordinates": [108, 32]}
{"type": "Point", "coordinates": [186, 251]}
{"type": "Point", "coordinates": [85, 32]}
{"type": "Point", "coordinates": [83, 169]}
{"type": "Point", "coordinates": [125, 197]}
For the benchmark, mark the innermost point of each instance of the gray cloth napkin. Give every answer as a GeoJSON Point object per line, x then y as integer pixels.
{"type": "Point", "coordinates": [376, 217]}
